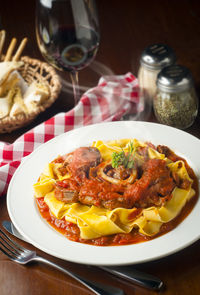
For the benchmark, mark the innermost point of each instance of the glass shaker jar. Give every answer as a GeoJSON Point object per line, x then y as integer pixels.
{"type": "Point", "coordinates": [176, 102]}
{"type": "Point", "coordinates": [153, 59]}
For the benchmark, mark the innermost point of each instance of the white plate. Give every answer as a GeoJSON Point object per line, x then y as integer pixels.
{"type": "Point", "coordinates": [25, 216]}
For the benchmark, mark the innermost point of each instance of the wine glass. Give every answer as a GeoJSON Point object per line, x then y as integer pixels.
{"type": "Point", "coordinates": [68, 35]}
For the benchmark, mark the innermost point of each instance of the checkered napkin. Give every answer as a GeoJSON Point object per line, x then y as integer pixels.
{"type": "Point", "coordinates": [110, 100]}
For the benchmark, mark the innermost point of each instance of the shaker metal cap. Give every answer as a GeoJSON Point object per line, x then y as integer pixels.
{"type": "Point", "coordinates": [174, 78]}
{"type": "Point", "coordinates": [157, 56]}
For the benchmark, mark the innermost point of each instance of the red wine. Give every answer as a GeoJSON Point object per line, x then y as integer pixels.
{"type": "Point", "coordinates": [70, 48]}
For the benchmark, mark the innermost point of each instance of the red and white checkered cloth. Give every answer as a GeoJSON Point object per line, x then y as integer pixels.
{"type": "Point", "coordinates": [112, 98]}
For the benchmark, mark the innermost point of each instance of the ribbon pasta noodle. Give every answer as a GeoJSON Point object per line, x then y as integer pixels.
{"type": "Point", "coordinates": [96, 220]}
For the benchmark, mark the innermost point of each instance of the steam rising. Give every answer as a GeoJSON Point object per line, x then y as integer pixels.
{"type": "Point", "coordinates": [139, 112]}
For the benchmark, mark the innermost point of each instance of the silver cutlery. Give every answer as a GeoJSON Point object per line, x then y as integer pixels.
{"type": "Point", "coordinates": [124, 272]}
{"type": "Point", "coordinates": [22, 255]}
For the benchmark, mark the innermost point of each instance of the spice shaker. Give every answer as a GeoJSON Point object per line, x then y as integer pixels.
{"type": "Point", "coordinates": [176, 102]}
{"type": "Point", "coordinates": [153, 59]}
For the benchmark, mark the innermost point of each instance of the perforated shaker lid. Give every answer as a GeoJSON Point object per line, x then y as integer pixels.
{"type": "Point", "coordinates": [157, 56]}
{"type": "Point", "coordinates": [174, 78]}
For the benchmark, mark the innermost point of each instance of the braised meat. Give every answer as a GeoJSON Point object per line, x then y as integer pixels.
{"type": "Point", "coordinates": [118, 173]}
{"type": "Point", "coordinates": [167, 152]}
{"type": "Point", "coordinates": [78, 163]}
{"type": "Point", "coordinates": [154, 187]}
{"type": "Point", "coordinates": [82, 159]}
{"type": "Point", "coordinates": [67, 191]}
{"type": "Point", "coordinates": [155, 184]}
{"type": "Point", "coordinates": [102, 194]}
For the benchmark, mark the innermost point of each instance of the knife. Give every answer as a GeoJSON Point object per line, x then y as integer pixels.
{"type": "Point", "coordinates": [124, 272]}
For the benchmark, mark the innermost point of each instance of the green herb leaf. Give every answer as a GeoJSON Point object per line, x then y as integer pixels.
{"type": "Point", "coordinates": [121, 158]}
{"type": "Point", "coordinates": [117, 159]}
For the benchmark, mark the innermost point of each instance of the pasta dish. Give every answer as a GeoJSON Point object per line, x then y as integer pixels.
{"type": "Point", "coordinates": [117, 192]}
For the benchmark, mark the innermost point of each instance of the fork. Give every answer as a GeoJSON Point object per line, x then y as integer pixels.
{"type": "Point", "coordinates": [22, 255]}
{"type": "Point", "coordinates": [123, 272]}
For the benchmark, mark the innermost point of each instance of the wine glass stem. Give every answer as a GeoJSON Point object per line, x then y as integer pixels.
{"type": "Point", "coordinates": [75, 85]}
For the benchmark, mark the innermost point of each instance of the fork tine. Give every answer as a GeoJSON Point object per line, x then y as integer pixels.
{"type": "Point", "coordinates": [13, 242]}
{"type": "Point", "coordinates": [6, 253]}
{"type": "Point", "coordinates": [8, 244]}
{"type": "Point", "coordinates": [10, 250]}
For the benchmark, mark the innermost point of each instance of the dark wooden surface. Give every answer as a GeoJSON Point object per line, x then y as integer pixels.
{"type": "Point", "coordinates": [127, 27]}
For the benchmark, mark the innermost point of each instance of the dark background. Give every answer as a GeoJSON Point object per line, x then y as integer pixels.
{"type": "Point", "coordinates": [126, 27]}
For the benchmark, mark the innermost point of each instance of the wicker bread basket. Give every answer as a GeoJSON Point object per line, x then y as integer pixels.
{"type": "Point", "coordinates": [33, 69]}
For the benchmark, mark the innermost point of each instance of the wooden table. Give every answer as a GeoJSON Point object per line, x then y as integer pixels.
{"type": "Point", "coordinates": [127, 27]}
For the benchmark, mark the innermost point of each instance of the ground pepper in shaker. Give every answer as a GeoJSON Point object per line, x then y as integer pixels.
{"type": "Point", "coordinates": [153, 59]}
{"type": "Point", "coordinates": [176, 102]}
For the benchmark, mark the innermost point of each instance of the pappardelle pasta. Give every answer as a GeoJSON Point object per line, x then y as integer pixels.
{"type": "Point", "coordinates": [116, 192]}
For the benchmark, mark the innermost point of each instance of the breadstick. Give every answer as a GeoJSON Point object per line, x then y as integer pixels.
{"type": "Point", "coordinates": [10, 49]}
{"type": "Point", "coordinates": [20, 49]}
{"type": "Point", "coordinates": [8, 84]}
{"type": "Point", "coordinates": [2, 40]}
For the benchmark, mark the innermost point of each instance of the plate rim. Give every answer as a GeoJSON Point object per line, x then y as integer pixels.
{"type": "Point", "coordinates": [83, 246]}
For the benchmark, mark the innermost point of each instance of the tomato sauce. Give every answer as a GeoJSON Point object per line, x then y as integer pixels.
{"type": "Point", "coordinates": [72, 232]}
